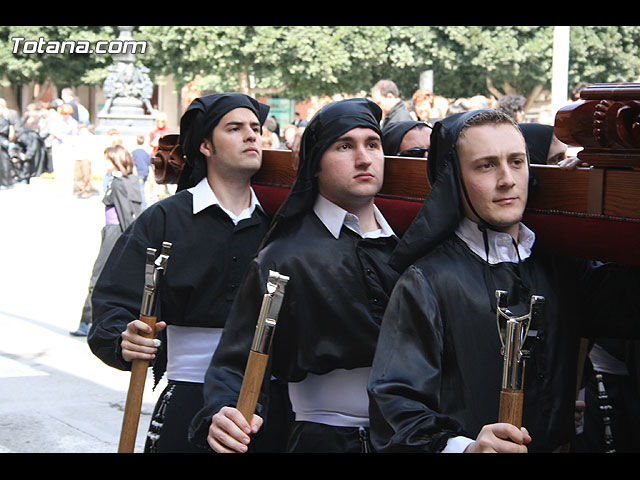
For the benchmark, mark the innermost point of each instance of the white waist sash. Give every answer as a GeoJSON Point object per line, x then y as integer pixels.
{"type": "Point", "coordinates": [189, 351]}
{"type": "Point", "coordinates": [338, 398]}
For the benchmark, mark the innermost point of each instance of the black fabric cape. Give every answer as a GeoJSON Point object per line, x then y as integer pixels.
{"type": "Point", "coordinates": [35, 152]}
{"type": "Point", "coordinates": [208, 259]}
{"type": "Point", "coordinates": [336, 294]}
{"type": "Point", "coordinates": [124, 194]}
{"type": "Point", "coordinates": [436, 373]}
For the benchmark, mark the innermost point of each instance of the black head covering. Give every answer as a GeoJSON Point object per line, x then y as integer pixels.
{"type": "Point", "coordinates": [393, 133]}
{"type": "Point", "coordinates": [199, 120]}
{"type": "Point", "coordinates": [327, 125]}
{"type": "Point", "coordinates": [538, 138]}
{"type": "Point", "coordinates": [442, 210]}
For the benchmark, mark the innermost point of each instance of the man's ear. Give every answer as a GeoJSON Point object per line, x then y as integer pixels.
{"type": "Point", "coordinates": [206, 148]}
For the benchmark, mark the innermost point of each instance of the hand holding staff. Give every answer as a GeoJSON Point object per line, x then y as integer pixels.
{"type": "Point", "coordinates": [259, 353]}
{"type": "Point", "coordinates": [154, 269]}
{"type": "Point", "coordinates": [512, 337]}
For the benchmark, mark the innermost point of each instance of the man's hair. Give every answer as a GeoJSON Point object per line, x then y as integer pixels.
{"type": "Point", "coordinates": [489, 117]}
{"type": "Point", "coordinates": [511, 104]}
{"type": "Point", "coordinates": [387, 87]}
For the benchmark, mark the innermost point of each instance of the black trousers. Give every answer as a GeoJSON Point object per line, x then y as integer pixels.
{"type": "Point", "coordinates": [173, 412]}
{"type": "Point", "coordinates": [179, 403]}
{"type": "Point", "coordinates": [310, 437]}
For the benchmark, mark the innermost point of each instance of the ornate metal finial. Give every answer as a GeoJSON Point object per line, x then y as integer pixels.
{"type": "Point", "coordinates": [513, 332]}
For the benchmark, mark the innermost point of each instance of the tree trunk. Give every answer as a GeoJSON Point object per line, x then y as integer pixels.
{"type": "Point", "coordinates": [245, 86]}
{"type": "Point", "coordinates": [243, 81]}
{"type": "Point", "coordinates": [531, 98]}
{"type": "Point", "coordinates": [10, 95]}
{"type": "Point", "coordinates": [509, 90]}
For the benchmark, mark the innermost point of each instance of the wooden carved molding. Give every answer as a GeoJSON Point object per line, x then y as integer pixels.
{"type": "Point", "coordinates": [606, 123]}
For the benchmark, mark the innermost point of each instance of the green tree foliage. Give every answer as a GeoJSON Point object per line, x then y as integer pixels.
{"type": "Point", "coordinates": [466, 60]}
{"type": "Point", "coordinates": [300, 61]}
{"type": "Point", "coordinates": [513, 59]}
{"type": "Point", "coordinates": [604, 54]}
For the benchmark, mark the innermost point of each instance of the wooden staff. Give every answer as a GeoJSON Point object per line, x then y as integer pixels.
{"type": "Point", "coordinates": [513, 337]}
{"type": "Point", "coordinates": [154, 269]}
{"type": "Point", "coordinates": [259, 353]}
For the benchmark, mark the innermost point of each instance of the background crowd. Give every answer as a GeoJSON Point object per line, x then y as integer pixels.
{"type": "Point", "coordinates": [55, 139]}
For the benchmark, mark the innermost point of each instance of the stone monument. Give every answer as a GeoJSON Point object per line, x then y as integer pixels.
{"type": "Point", "coordinates": [127, 91]}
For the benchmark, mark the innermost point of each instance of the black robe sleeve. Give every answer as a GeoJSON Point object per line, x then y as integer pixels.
{"type": "Point", "coordinates": [406, 379]}
{"type": "Point", "coordinates": [116, 298]}
{"type": "Point", "coordinates": [209, 257]}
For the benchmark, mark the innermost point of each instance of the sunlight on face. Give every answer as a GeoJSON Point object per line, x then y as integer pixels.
{"type": "Point", "coordinates": [352, 168]}
{"type": "Point", "coordinates": [495, 173]}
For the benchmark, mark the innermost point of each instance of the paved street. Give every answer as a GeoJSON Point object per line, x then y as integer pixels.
{"type": "Point", "coordinates": [55, 395]}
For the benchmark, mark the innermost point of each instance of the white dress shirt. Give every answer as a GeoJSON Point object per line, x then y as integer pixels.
{"type": "Point", "coordinates": [501, 245]}
{"type": "Point", "coordinates": [203, 197]}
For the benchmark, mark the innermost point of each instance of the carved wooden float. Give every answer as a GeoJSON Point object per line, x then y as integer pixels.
{"type": "Point", "coordinates": [586, 212]}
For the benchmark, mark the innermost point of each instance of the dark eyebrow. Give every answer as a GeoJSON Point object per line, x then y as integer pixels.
{"type": "Point", "coordinates": [348, 138]}
{"type": "Point", "coordinates": [254, 123]}
{"type": "Point", "coordinates": [484, 159]}
{"type": "Point", "coordinates": [493, 157]}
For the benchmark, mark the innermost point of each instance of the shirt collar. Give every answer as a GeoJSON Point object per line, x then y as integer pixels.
{"type": "Point", "coordinates": [334, 217]}
{"type": "Point", "coordinates": [203, 197]}
{"type": "Point", "coordinates": [500, 244]}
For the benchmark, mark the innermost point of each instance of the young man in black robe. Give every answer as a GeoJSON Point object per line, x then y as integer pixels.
{"type": "Point", "coordinates": [332, 242]}
{"type": "Point", "coordinates": [215, 225]}
{"type": "Point", "coordinates": [437, 373]}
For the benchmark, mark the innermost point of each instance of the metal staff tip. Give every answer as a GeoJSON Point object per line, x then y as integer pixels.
{"type": "Point", "coordinates": [155, 267]}
{"type": "Point", "coordinates": [271, 303]}
{"type": "Point", "coordinates": [513, 336]}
